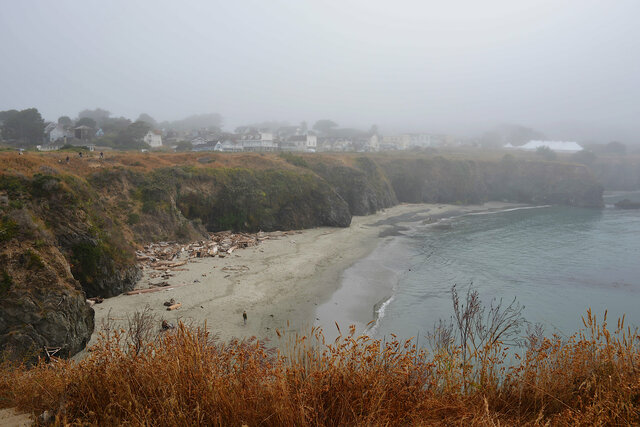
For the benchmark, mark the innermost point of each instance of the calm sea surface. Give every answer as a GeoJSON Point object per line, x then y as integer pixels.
{"type": "Point", "coordinates": [557, 262]}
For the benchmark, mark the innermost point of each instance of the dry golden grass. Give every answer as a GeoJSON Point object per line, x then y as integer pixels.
{"type": "Point", "coordinates": [187, 378]}
{"type": "Point", "coordinates": [31, 163]}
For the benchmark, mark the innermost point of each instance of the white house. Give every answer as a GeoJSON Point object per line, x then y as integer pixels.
{"type": "Point", "coordinates": [308, 142]}
{"type": "Point", "coordinates": [373, 143]}
{"type": "Point", "coordinates": [153, 138]}
{"type": "Point", "coordinates": [49, 147]}
{"type": "Point", "coordinates": [261, 141]}
{"type": "Point", "coordinates": [228, 146]}
{"type": "Point", "coordinates": [312, 142]}
{"type": "Point", "coordinates": [400, 142]}
{"type": "Point", "coordinates": [55, 131]}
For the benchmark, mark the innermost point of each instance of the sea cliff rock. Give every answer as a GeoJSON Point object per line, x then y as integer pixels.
{"type": "Point", "coordinates": [363, 185]}
{"type": "Point", "coordinates": [41, 304]}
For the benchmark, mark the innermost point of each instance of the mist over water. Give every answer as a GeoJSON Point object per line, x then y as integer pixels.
{"type": "Point", "coordinates": [557, 262]}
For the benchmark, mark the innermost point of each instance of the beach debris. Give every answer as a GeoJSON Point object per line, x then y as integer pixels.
{"type": "Point", "coordinates": [169, 303]}
{"type": "Point", "coordinates": [166, 325]}
{"type": "Point", "coordinates": [97, 300]}
{"type": "Point", "coordinates": [151, 290]}
{"type": "Point", "coordinates": [167, 256]}
{"type": "Point", "coordinates": [50, 353]}
{"type": "Point", "coordinates": [160, 285]}
{"type": "Point", "coordinates": [235, 268]}
{"type": "Point", "coordinates": [174, 306]}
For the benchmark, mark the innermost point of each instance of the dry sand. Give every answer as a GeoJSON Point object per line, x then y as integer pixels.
{"type": "Point", "coordinates": [9, 417]}
{"type": "Point", "coordinates": [279, 282]}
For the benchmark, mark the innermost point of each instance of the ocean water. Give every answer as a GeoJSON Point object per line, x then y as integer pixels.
{"type": "Point", "coordinates": [556, 261]}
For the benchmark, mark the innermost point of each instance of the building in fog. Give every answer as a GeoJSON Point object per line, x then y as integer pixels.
{"type": "Point", "coordinates": [307, 142]}
{"type": "Point", "coordinates": [561, 146]}
{"type": "Point", "coordinates": [258, 141]}
{"type": "Point", "coordinates": [153, 138]}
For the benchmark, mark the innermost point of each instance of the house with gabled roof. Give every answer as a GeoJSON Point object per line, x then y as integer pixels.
{"type": "Point", "coordinates": [153, 138]}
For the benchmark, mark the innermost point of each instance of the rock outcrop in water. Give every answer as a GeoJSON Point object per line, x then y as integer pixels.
{"type": "Point", "coordinates": [627, 204]}
{"type": "Point", "coordinates": [69, 231]}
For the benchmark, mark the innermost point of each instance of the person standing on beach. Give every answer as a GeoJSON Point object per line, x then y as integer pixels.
{"type": "Point", "coordinates": [244, 317]}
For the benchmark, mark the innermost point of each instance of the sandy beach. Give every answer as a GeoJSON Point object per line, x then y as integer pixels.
{"type": "Point", "coordinates": [279, 283]}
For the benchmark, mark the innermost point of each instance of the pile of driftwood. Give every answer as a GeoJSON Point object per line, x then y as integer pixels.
{"type": "Point", "coordinates": [165, 256]}
{"type": "Point", "coordinates": [168, 257]}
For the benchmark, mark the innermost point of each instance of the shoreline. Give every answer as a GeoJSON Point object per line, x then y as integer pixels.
{"type": "Point", "coordinates": [280, 282]}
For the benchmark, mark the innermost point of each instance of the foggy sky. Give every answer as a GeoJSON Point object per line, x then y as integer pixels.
{"type": "Point", "coordinates": [569, 68]}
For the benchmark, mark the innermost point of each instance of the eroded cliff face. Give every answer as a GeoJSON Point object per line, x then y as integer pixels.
{"type": "Point", "coordinates": [362, 184]}
{"type": "Point", "coordinates": [69, 231]}
{"type": "Point", "coordinates": [440, 180]}
{"type": "Point", "coordinates": [618, 172]}
{"type": "Point", "coordinates": [538, 182]}
{"type": "Point", "coordinates": [41, 304]}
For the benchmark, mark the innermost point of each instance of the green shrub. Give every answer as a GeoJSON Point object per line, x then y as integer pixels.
{"type": "Point", "coordinates": [6, 282]}
{"type": "Point", "coordinates": [85, 260]}
{"type": "Point", "coordinates": [294, 160]}
{"type": "Point", "coordinates": [15, 186]}
{"type": "Point", "coordinates": [44, 185]}
{"type": "Point", "coordinates": [32, 260]}
{"type": "Point", "coordinates": [133, 218]}
{"type": "Point", "coordinates": [8, 229]}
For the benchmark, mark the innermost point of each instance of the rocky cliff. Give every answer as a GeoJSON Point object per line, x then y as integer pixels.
{"type": "Point", "coordinates": [41, 304]}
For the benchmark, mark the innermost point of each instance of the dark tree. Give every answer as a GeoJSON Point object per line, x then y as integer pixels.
{"type": "Point", "coordinates": [115, 124]}
{"type": "Point", "coordinates": [24, 127]}
{"type": "Point", "coordinates": [132, 136]}
{"type": "Point", "coordinates": [546, 152]}
{"type": "Point", "coordinates": [211, 121]}
{"type": "Point", "coordinates": [325, 126]}
{"type": "Point", "coordinates": [65, 121]}
{"type": "Point", "coordinates": [98, 115]}
{"type": "Point", "coordinates": [144, 117]}
{"type": "Point", "coordinates": [86, 121]}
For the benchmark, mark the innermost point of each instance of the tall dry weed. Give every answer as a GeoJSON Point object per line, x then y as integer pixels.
{"type": "Point", "coordinates": [187, 377]}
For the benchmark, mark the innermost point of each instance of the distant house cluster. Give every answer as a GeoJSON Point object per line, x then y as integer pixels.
{"type": "Point", "coordinates": [248, 139]}
{"type": "Point", "coordinates": [296, 140]}
{"type": "Point", "coordinates": [56, 136]}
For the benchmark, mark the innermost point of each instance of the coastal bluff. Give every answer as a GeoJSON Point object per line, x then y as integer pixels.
{"type": "Point", "coordinates": [69, 230]}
